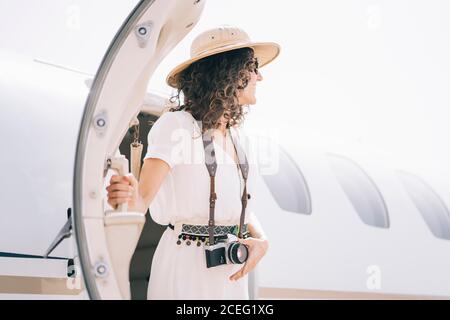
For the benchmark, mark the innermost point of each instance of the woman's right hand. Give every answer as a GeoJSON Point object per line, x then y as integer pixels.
{"type": "Point", "coordinates": [123, 189]}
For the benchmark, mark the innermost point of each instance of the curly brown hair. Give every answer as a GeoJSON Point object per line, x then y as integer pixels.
{"type": "Point", "coordinates": [210, 87]}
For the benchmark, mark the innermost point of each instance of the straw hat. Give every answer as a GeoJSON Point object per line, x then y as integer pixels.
{"type": "Point", "coordinates": [221, 39]}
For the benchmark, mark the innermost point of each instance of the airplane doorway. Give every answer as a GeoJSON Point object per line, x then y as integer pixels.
{"type": "Point", "coordinates": [141, 261]}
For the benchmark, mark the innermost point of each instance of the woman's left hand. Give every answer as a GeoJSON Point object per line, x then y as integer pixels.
{"type": "Point", "coordinates": [257, 248]}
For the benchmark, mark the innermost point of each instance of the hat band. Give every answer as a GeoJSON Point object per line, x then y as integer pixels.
{"type": "Point", "coordinates": [237, 44]}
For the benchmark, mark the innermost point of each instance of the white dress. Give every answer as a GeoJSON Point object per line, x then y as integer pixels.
{"type": "Point", "coordinates": [179, 271]}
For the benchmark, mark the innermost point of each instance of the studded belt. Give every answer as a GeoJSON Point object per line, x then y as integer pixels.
{"type": "Point", "coordinates": [199, 233]}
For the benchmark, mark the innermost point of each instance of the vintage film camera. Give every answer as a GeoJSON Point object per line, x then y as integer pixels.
{"type": "Point", "coordinates": [228, 251]}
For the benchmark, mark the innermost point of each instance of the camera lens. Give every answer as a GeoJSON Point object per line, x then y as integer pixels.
{"type": "Point", "coordinates": [237, 253]}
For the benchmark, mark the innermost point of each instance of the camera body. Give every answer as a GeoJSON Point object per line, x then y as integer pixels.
{"type": "Point", "coordinates": [228, 251]}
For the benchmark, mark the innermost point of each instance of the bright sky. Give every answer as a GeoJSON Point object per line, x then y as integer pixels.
{"type": "Point", "coordinates": [370, 72]}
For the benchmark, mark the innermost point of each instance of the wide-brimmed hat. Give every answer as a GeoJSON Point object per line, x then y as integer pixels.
{"type": "Point", "coordinates": [221, 39]}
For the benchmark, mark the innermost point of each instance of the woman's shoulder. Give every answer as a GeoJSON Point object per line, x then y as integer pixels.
{"type": "Point", "coordinates": [169, 116]}
{"type": "Point", "coordinates": [174, 122]}
{"type": "Point", "coordinates": [173, 119]}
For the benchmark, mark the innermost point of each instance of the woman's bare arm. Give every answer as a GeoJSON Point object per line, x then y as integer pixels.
{"type": "Point", "coordinates": [138, 195]}
{"type": "Point", "coordinates": [257, 246]}
{"type": "Point", "coordinates": [255, 229]}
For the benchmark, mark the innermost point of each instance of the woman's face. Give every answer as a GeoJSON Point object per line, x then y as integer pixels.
{"type": "Point", "coordinates": [247, 95]}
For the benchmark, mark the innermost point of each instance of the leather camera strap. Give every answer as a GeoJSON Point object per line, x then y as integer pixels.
{"type": "Point", "coordinates": [211, 165]}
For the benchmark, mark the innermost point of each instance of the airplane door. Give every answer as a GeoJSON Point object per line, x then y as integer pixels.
{"type": "Point", "coordinates": [104, 240]}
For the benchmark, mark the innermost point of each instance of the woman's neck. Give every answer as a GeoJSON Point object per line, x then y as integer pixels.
{"type": "Point", "coordinates": [223, 129]}
{"type": "Point", "coordinates": [223, 126]}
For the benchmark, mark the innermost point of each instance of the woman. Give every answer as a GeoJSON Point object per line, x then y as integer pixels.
{"type": "Point", "coordinates": [216, 83]}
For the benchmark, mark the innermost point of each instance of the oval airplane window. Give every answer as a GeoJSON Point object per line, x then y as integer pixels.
{"type": "Point", "coordinates": [430, 205]}
{"type": "Point", "coordinates": [288, 185]}
{"type": "Point", "coordinates": [360, 190]}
